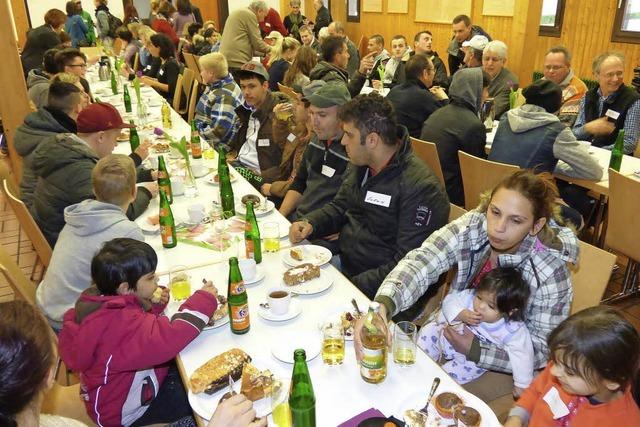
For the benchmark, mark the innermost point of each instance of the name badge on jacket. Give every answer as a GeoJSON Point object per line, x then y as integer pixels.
{"type": "Point", "coordinates": [556, 405]}
{"type": "Point", "coordinates": [291, 137]}
{"type": "Point", "coordinates": [378, 199]}
{"type": "Point", "coordinates": [328, 171]}
{"type": "Point", "coordinates": [613, 115]}
{"type": "Point", "coordinates": [161, 72]}
{"type": "Point", "coordinates": [263, 143]}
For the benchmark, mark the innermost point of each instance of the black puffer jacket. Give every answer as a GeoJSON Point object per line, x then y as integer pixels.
{"type": "Point", "coordinates": [383, 218]}
{"type": "Point", "coordinates": [329, 73]}
{"type": "Point", "coordinates": [63, 166]}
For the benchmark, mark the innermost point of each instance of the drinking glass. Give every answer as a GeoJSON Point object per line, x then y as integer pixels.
{"type": "Point", "coordinates": [332, 344]}
{"type": "Point", "coordinates": [219, 228]}
{"type": "Point", "coordinates": [404, 343]}
{"type": "Point", "coordinates": [271, 235]}
{"type": "Point", "coordinates": [280, 403]}
{"type": "Point", "coordinates": [179, 283]}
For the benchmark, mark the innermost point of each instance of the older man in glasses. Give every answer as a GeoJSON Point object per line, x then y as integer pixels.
{"type": "Point", "coordinates": [557, 68]}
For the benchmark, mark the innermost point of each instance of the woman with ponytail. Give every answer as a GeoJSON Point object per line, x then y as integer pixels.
{"type": "Point", "coordinates": [517, 225]}
{"type": "Point", "coordinates": [282, 56]}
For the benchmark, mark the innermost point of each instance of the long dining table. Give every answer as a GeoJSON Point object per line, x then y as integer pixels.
{"type": "Point", "coordinates": [340, 392]}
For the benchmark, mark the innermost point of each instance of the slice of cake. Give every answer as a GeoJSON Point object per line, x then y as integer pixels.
{"type": "Point", "coordinates": [256, 384]}
{"type": "Point", "coordinates": [300, 274]}
{"type": "Point", "coordinates": [214, 374]}
{"type": "Point", "coordinates": [297, 254]}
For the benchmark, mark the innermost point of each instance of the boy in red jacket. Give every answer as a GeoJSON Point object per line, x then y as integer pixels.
{"type": "Point", "coordinates": [122, 346]}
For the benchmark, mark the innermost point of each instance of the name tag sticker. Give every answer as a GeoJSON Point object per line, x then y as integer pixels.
{"type": "Point", "coordinates": [378, 199]}
{"type": "Point", "coordinates": [328, 171]}
{"type": "Point", "coordinates": [612, 114]}
{"type": "Point", "coordinates": [161, 72]}
{"type": "Point", "coordinates": [263, 143]}
{"type": "Point", "coordinates": [291, 137]}
{"type": "Point", "coordinates": [556, 405]}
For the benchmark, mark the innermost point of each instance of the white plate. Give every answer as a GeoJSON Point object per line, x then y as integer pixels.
{"type": "Point", "coordinates": [199, 170]}
{"type": "Point", "coordinates": [284, 345]}
{"type": "Point", "coordinates": [154, 103]}
{"type": "Point", "coordinates": [205, 404]}
{"type": "Point", "coordinates": [295, 308]}
{"type": "Point", "coordinates": [211, 181]}
{"type": "Point", "coordinates": [262, 210]}
{"type": "Point", "coordinates": [148, 228]}
{"type": "Point", "coordinates": [314, 286]}
{"type": "Point", "coordinates": [415, 400]}
{"type": "Point", "coordinates": [314, 254]}
{"type": "Point", "coordinates": [218, 323]}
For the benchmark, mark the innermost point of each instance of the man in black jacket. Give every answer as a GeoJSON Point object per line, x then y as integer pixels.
{"type": "Point", "coordinates": [463, 30]}
{"type": "Point", "coordinates": [389, 201]}
{"type": "Point", "coordinates": [412, 100]}
{"type": "Point", "coordinates": [422, 44]}
{"type": "Point", "coordinates": [323, 16]}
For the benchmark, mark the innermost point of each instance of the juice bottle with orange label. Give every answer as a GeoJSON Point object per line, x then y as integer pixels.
{"type": "Point", "coordinates": [164, 181]}
{"type": "Point", "coordinates": [167, 224]}
{"type": "Point", "coordinates": [196, 145]}
{"type": "Point", "coordinates": [237, 300]}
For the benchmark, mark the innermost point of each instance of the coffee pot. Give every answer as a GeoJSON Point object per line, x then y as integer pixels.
{"type": "Point", "coordinates": [104, 70]}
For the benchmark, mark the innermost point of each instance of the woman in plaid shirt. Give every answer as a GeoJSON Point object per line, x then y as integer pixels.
{"type": "Point", "coordinates": [514, 227]}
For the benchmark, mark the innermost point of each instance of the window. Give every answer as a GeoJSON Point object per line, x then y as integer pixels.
{"type": "Point", "coordinates": [551, 19]}
{"type": "Point", "coordinates": [626, 27]}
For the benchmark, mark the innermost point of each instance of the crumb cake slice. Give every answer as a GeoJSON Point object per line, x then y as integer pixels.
{"type": "Point", "coordinates": [301, 274]}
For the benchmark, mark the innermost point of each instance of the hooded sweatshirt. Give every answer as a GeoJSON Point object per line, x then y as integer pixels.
{"type": "Point", "coordinates": [532, 138]}
{"type": "Point", "coordinates": [329, 72]}
{"type": "Point", "coordinates": [121, 345]}
{"type": "Point", "coordinates": [37, 126]}
{"type": "Point", "coordinates": [457, 127]}
{"type": "Point", "coordinates": [38, 87]}
{"type": "Point", "coordinates": [89, 224]}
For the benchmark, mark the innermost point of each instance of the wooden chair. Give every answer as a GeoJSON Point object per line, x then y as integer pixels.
{"type": "Point", "coordinates": [479, 175]}
{"type": "Point", "coordinates": [428, 153]}
{"type": "Point", "coordinates": [456, 212]}
{"type": "Point", "coordinates": [136, 62]}
{"type": "Point", "coordinates": [22, 288]}
{"type": "Point", "coordinates": [40, 244]}
{"type": "Point", "coordinates": [623, 228]}
{"type": "Point", "coordinates": [65, 401]}
{"type": "Point", "coordinates": [91, 51]}
{"type": "Point", "coordinates": [192, 63]}
{"type": "Point", "coordinates": [193, 100]}
{"type": "Point", "coordinates": [183, 91]}
{"type": "Point", "coordinates": [590, 276]}
{"type": "Point", "coordinates": [363, 46]}
{"type": "Point", "coordinates": [177, 94]}
{"type": "Point", "coordinates": [287, 91]}
{"type": "Point", "coordinates": [117, 46]}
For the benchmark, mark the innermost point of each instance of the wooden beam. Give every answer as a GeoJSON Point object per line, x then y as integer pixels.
{"type": "Point", "coordinates": [524, 42]}
{"type": "Point", "coordinates": [14, 103]}
{"type": "Point", "coordinates": [20, 19]}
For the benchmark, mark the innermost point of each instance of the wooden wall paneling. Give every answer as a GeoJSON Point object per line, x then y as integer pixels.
{"type": "Point", "coordinates": [14, 104]}
{"type": "Point", "coordinates": [209, 10]}
{"type": "Point", "coordinates": [21, 20]}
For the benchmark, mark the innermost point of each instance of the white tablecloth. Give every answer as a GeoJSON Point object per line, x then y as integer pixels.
{"type": "Point", "coordinates": [340, 392]}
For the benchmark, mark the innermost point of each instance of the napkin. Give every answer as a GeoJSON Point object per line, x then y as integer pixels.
{"type": "Point", "coordinates": [369, 413]}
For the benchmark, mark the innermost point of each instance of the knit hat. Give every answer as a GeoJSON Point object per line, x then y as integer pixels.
{"type": "Point", "coordinates": [99, 117]}
{"type": "Point", "coordinates": [544, 93]}
{"type": "Point", "coordinates": [330, 95]}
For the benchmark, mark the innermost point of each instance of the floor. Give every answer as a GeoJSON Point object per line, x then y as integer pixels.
{"type": "Point", "coordinates": [11, 235]}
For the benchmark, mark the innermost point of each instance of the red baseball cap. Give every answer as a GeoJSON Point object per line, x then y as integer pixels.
{"type": "Point", "coordinates": [98, 117]}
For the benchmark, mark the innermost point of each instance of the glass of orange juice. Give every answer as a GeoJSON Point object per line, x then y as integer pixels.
{"type": "Point", "coordinates": [179, 283]}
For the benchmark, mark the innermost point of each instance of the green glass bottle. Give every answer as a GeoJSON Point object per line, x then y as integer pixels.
{"type": "Point", "coordinates": [134, 139]}
{"type": "Point", "coordinates": [226, 192]}
{"type": "Point", "coordinates": [252, 243]}
{"type": "Point", "coordinates": [196, 145]}
{"type": "Point", "coordinates": [114, 83]}
{"type": "Point", "coordinates": [302, 400]}
{"type": "Point", "coordinates": [237, 300]}
{"type": "Point", "coordinates": [618, 151]}
{"type": "Point", "coordinates": [127, 99]}
{"type": "Point", "coordinates": [167, 223]}
{"type": "Point", "coordinates": [164, 180]}
{"type": "Point", "coordinates": [222, 156]}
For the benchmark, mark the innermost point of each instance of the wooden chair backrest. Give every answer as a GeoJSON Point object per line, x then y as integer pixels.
{"type": "Point", "coordinates": [91, 51]}
{"type": "Point", "coordinates": [136, 62]}
{"type": "Point", "coordinates": [177, 95]}
{"type": "Point", "coordinates": [636, 152]}
{"type": "Point", "coordinates": [287, 91]}
{"type": "Point", "coordinates": [65, 401]}
{"type": "Point", "coordinates": [455, 212]}
{"type": "Point", "coordinates": [192, 63]}
{"type": "Point", "coordinates": [193, 100]}
{"type": "Point", "coordinates": [590, 276]}
{"type": "Point", "coordinates": [117, 46]}
{"type": "Point", "coordinates": [363, 46]}
{"type": "Point", "coordinates": [479, 175]}
{"type": "Point", "coordinates": [428, 153]}
{"type": "Point", "coordinates": [22, 287]}
{"type": "Point", "coordinates": [188, 76]}
{"type": "Point", "coordinates": [24, 217]}
{"type": "Point", "coordinates": [623, 224]}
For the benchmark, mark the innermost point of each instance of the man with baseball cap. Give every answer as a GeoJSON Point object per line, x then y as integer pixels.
{"type": "Point", "coordinates": [63, 165]}
{"type": "Point", "coordinates": [253, 147]}
{"type": "Point", "coordinates": [473, 50]}
{"type": "Point", "coordinates": [325, 159]}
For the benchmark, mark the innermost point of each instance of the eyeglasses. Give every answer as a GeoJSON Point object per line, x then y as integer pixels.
{"type": "Point", "coordinates": [77, 65]}
{"type": "Point", "coordinates": [613, 74]}
{"type": "Point", "coordinates": [553, 67]}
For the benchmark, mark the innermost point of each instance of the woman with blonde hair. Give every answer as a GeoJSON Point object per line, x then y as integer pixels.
{"type": "Point", "coordinates": [298, 73]}
{"type": "Point", "coordinates": [281, 58]}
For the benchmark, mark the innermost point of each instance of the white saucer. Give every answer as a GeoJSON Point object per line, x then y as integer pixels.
{"type": "Point", "coordinates": [314, 254]}
{"type": "Point", "coordinates": [148, 228]}
{"type": "Point", "coordinates": [260, 274]}
{"type": "Point", "coordinates": [261, 210]}
{"type": "Point", "coordinates": [295, 308]}
{"type": "Point", "coordinates": [283, 347]}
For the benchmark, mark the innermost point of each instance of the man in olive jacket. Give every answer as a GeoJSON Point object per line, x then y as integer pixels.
{"type": "Point", "coordinates": [63, 165]}
{"type": "Point", "coordinates": [388, 203]}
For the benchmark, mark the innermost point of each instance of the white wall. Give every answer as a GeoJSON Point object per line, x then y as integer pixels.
{"type": "Point", "coordinates": [37, 8]}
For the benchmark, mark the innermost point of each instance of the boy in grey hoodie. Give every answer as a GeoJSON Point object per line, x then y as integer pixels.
{"type": "Point", "coordinates": [89, 225]}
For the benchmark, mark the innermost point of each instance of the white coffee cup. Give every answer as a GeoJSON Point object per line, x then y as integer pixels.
{"type": "Point", "coordinates": [196, 213]}
{"type": "Point", "coordinates": [199, 170]}
{"type": "Point", "coordinates": [153, 161]}
{"type": "Point", "coordinates": [279, 300]}
{"type": "Point", "coordinates": [248, 268]}
{"type": "Point", "coordinates": [177, 185]}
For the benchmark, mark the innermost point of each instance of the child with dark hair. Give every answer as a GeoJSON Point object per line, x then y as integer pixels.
{"type": "Point", "coordinates": [594, 360]}
{"type": "Point", "coordinates": [494, 312]}
{"type": "Point", "coordinates": [126, 344]}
